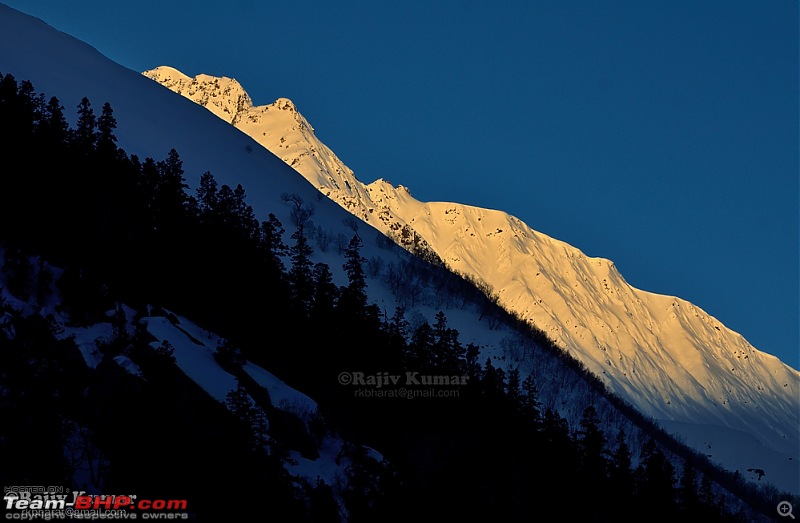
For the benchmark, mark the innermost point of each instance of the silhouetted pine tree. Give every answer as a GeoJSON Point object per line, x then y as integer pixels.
{"type": "Point", "coordinates": [655, 480]}
{"type": "Point", "coordinates": [397, 328]}
{"type": "Point", "coordinates": [688, 497]}
{"type": "Point", "coordinates": [300, 276]}
{"type": "Point", "coordinates": [106, 140]}
{"type": "Point", "coordinates": [593, 464]}
{"type": "Point", "coordinates": [353, 297]}
{"type": "Point", "coordinates": [447, 353]}
{"type": "Point", "coordinates": [84, 136]}
{"type": "Point", "coordinates": [246, 221]}
{"type": "Point", "coordinates": [250, 415]}
{"type": "Point", "coordinates": [513, 388]}
{"type": "Point", "coordinates": [620, 472]}
{"type": "Point", "coordinates": [472, 366]}
{"type": "Point", "coordinates": [325, 296]}
{"type": "Point", "coordinates": [53, 129]}
{"type": "Point", "coordinates": [558, 459]}
{"type": "Point", "coordinates": [493, 382]}
{"type": "Point", "coordinates": [531, 406]}
{"type": "Point", "coordinates": [272, 240]}
{"type": "Point", "coordinates": [418, 355]}
{"type": "Point", "coordinates": [592, 445]}
{"type": "Point", "coordinates": [170, 197]}
{"type": "Point", "coordinates": [207, 195]}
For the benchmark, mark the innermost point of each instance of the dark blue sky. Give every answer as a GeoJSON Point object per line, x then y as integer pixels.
{"type": "Point", "coordinates": [661, 135]}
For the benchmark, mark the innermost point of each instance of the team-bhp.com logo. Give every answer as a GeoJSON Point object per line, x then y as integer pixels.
{"type": "Point", "coordinates": [56, 502]}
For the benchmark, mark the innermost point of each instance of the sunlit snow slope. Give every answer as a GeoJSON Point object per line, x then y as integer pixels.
{"type": "Point", "coordinates": [669, 358]}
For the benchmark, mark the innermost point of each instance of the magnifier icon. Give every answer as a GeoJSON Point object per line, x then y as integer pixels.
{"type": "Point", "coordinates": [785, 509]}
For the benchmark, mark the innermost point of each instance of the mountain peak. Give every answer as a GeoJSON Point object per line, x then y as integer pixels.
{"type": "Point", "coordinates": [223, 96]}
{"type": "Point", "coordinates": [285, 104]}
{"type": "Point", "coordinates": [165, 72]}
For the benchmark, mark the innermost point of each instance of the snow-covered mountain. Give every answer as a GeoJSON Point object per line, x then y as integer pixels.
{"type": "Point", "coordinates": [285, 132]}
{"type": "Point", "coordinates": [672, 360]}
{"type": "Point", "coordinates": [664, 356]}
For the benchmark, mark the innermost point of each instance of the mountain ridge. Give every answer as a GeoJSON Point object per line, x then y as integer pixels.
{"type": "Point", "coordinates": [668, 357]}
{"type": "Point", "coordinates": [145, 131]}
